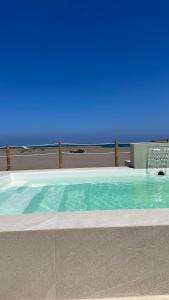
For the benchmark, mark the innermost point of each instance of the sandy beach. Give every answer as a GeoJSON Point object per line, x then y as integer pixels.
{"type": "Point", "coordinates": [48, 158]}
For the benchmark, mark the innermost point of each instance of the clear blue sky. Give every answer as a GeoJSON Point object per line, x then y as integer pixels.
{"type": "Point", "coordinates": [90, 70]}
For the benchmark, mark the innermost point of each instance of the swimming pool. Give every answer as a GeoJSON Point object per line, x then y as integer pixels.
{"type": "Point", "coordinates": [78, 249]}
{"type": "Point", "coordinates": [82, 190]}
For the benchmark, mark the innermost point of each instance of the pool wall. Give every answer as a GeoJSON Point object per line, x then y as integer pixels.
{"type": "Point", "coordinates": [138, 153]}
{"type": "Point", "coordinates": [85, 255]}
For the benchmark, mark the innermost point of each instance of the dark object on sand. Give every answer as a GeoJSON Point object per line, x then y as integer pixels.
{"type": "Point", "coordinates": [77, 151]}
{"type": "Point", "coordinates": [161, 173]}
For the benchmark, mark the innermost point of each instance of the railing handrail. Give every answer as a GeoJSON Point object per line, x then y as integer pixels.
{"type": "Point", "coordinates": [60, 150]}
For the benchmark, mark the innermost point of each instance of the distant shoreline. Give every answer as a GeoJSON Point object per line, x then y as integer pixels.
{"type": "Point", "coordinates": [69, 145]}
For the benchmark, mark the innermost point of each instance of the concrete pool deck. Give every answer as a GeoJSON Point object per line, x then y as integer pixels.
{"type": "Point", "coordinates": [85, 263]}
{"type": "Point", "coordinates": [134, 298]}
{"type": "Point", "coordinates": [85, 255]}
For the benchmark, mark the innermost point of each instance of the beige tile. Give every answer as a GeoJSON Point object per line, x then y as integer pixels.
{"type": "Point", "coordinates": [27, 266]}
{"type": "Point", "coordinates": [114, 262]}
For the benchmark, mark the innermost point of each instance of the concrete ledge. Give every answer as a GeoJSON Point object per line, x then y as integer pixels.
{"type": "Point", "coordinates": [85, 264]}
{"type": "Point", "coordinates": [85, 219]}
{"type": "Point", "coordinates": [133, 298]}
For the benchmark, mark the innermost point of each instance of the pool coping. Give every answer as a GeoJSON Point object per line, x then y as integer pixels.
{"type": "Point", "coordinates": [84, 219]}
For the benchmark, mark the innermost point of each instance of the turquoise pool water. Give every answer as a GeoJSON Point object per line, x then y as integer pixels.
{"type": "Point", "coordinates": [84, 194]}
